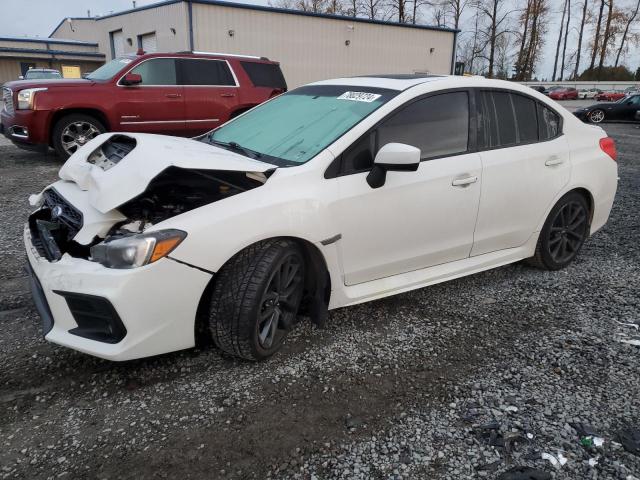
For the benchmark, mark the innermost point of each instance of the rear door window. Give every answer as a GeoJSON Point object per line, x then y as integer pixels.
{"type": "Point", "coordinates": [205, 72]}
{"type": "Point", "coordinates": [157, 71]}
{"type": "Point", "coordinates": [265, 74]}
{"type": "Point", "coordinates": [526, 118]}
{"type": "Point", "coordinates": [506, 119]}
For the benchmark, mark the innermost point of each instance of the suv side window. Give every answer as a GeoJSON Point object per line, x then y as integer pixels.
{"type": "Point", "coordinates": [205, 72]}
{"type": "Point", "coordinates": [157, 71]}
{"type": "Point", "coordinates": [548, 123]}
{"type": "Point", "coordinates": [265, 74]}
{"type": "Point", "coordinates": [437, 125]}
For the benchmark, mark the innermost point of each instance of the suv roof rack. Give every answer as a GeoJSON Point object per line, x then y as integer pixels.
{"type": "Point", "coordinates": [222, 54]}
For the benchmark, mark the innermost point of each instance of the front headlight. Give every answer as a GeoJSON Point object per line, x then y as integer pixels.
{"type": "Point", "coordinates": [26, 97]}
{"type": "Point", "coordinates": [137, 250]}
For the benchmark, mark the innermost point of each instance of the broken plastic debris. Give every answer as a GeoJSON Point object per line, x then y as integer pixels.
{"type": "Point", "coordinates": [592, 441]}
{"type": "Point", "coordinates": [593, 462]}
{"type": "Point", "coordinates": [511, 408]}
{"type": "Point", "coordinates": [525, 473]}
{"type": "Point", "coordinates": [557, 460]}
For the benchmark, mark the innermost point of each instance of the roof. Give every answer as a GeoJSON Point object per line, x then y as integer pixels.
{"type": "Point", "coordinates": [262, 8]}
{"type": "Point", "coordinates": [389, 81]}
{"type": "Point", "coordinates": [47, 41]}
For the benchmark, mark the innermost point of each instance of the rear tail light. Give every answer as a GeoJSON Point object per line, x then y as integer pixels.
{"type": "Point", "coordinates": [608, 146]}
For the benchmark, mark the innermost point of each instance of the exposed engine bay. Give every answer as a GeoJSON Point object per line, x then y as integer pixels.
{"type": "Point", "coordinates": [173, 192]}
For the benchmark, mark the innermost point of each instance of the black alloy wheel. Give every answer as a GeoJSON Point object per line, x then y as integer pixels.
{"type": "Point", "coordinates": [563, 234]}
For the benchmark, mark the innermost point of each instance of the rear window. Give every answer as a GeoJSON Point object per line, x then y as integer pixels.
{"type": "Point", "coordinates": [205, 72]}
{"type": "Point", "coordinates": [265, 74]}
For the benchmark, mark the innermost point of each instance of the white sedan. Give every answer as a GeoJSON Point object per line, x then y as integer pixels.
{"type": "Point", "coordinates": [333, 194]}
{"type": "Point", "coordinates": [588, 93]}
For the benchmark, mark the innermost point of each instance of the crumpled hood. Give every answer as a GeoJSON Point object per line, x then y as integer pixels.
{"type": "Point", "coordinates": [108, 189]}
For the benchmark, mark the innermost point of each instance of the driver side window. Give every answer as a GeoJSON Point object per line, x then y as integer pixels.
{"type": "Point", "coordinates": [158, 71]}
{"type": "Point", "coordinates": [437, 125]}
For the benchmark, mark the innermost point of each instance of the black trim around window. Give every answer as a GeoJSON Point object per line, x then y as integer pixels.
{"type": "Point", "coordinates": [336, 168]}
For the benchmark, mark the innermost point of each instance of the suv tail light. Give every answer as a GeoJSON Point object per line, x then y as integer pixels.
{"type": "Point", "coordinates": [608, 146]}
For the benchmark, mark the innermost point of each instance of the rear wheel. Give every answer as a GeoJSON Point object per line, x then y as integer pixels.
{"type": "Point", "coordinates": [563, 234]}
{"type": "Point", "coordinates": [73, 131]}
{"type": "Point", "coordinates": [596, 116]}
{"type": "Point", "coordinates": [256, 297]}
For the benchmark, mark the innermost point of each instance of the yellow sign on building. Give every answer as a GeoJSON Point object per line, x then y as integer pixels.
{"type": "Point", "coordinates": [71, 71]}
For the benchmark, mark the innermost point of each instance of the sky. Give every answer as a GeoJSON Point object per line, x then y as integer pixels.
{"type": "Point", "coordinates": [39, 17]}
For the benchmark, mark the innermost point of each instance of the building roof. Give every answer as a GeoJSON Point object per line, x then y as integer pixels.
{"type": "Point", "coordinates": [47, 40]}
{"type": "Point", "coordinates": [263, 9]}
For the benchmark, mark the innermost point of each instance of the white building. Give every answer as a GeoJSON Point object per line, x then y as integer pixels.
{"type": "Point", "coordinates": [309, 46]}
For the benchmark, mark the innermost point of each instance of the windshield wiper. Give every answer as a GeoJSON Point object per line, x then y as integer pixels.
{"type": "Point", "coordinates": [237, 147]}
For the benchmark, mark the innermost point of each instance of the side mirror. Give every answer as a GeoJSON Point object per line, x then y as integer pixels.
{"type": "Point", "coordinates": [396, 157]}
{"type": "Point", "coordinates": [132, 79]}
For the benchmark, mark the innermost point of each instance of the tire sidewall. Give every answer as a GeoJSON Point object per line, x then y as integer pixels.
{"type": "Point", "coordinates": [545, 252]}
{"type": "Point", "coordinates": [64, 122]}
{"type": "Point", "coordinates": [283, 251]}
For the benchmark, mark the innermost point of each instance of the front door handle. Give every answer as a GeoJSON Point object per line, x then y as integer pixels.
{"type": "Point", "coordinates": [463, 182]}
{"type": "Point", "coordinates": [173, 95]}
{"type": "Point", "coordinates": [553, 160]}
{"type": "Point", "coordinates": [227, 94]}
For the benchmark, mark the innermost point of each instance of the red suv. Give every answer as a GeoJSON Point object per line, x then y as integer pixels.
{"type": "Point", "coordinates": [563, 93]}
{"type": "Point", "coordinates": [182, 94]}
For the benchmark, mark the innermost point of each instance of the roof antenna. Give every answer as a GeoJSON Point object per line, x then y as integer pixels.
{"type": "Point", "coordinates": [134, 3]}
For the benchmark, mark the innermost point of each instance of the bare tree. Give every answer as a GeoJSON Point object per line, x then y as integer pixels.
{"type": "Point", "coordinates": [596, 37]}
{"type": "Point", "coordinates": [399, 10]}
{"type": "Point", "coordinates": [579, 49]}
{"type": "Point", "coordinates": [533, 25]}
{"type": "Point", "coordinates": [630, 18]}
{"type": "Point", "coordinates": [555, 62]}
{"type": "Point", "coordinates": [605, 38]}
{"type": "Point", "coordinates": [374, 9]}
{"type": "Point", "coordinates": [497, 18]}
{"type": "Point", "coordinates": [566, 35]}
{"type": "Point", "coordinates": [455, 8]}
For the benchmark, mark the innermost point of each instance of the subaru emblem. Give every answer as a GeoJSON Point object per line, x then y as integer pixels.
{"type": "Point", "coordinates": [56, 212]}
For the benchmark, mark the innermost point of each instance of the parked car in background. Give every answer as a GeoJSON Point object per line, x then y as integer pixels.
{"type": "Point", "coordinates": [632, 89]}
{"type": "Point", "coordinates": [41, 74]}
{"type": "Point", "coordinates": [588, 93]}
{"type": "Point", "coordinates": [182, 94]}
{"type": "Point", "coordinates": [538, 88]}
{"type": "Point", "coordinates": [610, 96]}
{"type": "Point", "coordinates": [336, 193]}
{"type": "Point", "coordinates": [563, 93]}
{"type": "Point", "coordinates": [626, 109]}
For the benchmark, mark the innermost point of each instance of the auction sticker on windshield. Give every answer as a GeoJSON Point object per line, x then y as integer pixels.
{"type": "Point", "coordinates": [359, 96]}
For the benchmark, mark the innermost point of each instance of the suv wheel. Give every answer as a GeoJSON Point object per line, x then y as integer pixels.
{"type": "Point", "coordinates": [73, 131]}
{"type": "Point", "coordinates": [563, 234]}
{"type": "Point", "coordinates": [255, 299]}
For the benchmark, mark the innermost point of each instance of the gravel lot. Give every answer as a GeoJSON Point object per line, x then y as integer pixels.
{"type": "Point", "coordinates": [467, 379]}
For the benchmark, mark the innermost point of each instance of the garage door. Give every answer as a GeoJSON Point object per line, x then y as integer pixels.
{"type": "Point", "coordinates": [117, 43]}
{"type": "Point", "coordinates": [148, 42]}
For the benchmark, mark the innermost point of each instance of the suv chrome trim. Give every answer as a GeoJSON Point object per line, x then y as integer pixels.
{"type": "Point", "coordinates": [7, 98]}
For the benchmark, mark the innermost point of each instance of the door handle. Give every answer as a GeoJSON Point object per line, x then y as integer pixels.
{"type": "Point", "coordinates": [553, 160]}
{"type": "Point", "coordinates": [227, 94]}
{"type": "Point", "coordinates": [463, 182]}
{"type": "Point", "coordinates": [173, 95]}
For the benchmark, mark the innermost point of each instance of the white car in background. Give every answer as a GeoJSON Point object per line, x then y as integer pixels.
{"type": "Point", "coordinates": [333, 194]}
{"type": "Point", "coordinates": [588, 93]}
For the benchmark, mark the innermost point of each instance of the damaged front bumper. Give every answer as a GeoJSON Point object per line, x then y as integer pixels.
{"type": "Point", "coordinates": [115, 314]}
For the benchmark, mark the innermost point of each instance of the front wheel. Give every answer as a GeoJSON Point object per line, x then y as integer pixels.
{"type": "Point", "coordinates": [563, 233]}
{"type": "Point", "coordinates": [73, 131]}
{"type": "Point", "coordinates": [255, 299]}
{"type": "Point", "coordinates": [596, 116]}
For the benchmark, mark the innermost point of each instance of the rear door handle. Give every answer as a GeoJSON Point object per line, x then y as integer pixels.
{"type": "Point", "coordinates": [227, 94]}
{"type": "Point", "coordinates": [463, 182]}
{"type": "Point", "coordinates": [553, 160]}
{"type": "Point", "coordinates": [173, 95]}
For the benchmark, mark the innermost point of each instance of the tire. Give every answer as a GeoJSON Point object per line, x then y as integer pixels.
{"type": "Point", "coordinates": [74, 130]}
{"type": "Point", "coordinates": [596, 116]}
{"type": "Point", "coordinates": [563, 233]}
{"type": "Point", "coordinates": [251, 312]}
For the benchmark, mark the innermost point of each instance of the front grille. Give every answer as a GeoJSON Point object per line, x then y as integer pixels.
{"type": "Point", "coordinates": [63, 212]}
{"type": "Point", "coordinates": [7, 98]}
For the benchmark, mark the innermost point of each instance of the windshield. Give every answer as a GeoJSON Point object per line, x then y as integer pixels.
{"type": "Point", "coordinates": [108, 70]}
{"type": "Point", "coordinates": [293, 128]}
{"type": "Point", "coordinates": [31, 75]}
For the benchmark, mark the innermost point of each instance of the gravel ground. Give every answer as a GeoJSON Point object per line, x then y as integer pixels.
{"type": "Point", "coordinates": [467, 379]}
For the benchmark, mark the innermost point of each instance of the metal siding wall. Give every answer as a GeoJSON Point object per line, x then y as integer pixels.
{"type": "Point", "coordinates": [311, 48]}
{"type": "Point", "coordinates": [159, 20]}
{"type": "Point", "coordinates": [9, 69]}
